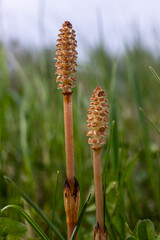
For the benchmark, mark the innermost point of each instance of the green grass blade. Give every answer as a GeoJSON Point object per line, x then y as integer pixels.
{"type": "Point", "coordinates": [104, 198]}
{"type": "Point", "coordinates": [145, 135]}
{"type": "Point", "coordinates": [109, 224]}
{"type": "Point", "coordinates": [155, 74]}
{"type": "Point", "coordinates": [75, 231]}
{"type": "Point", "coordinates": [106, 166]}
{"type": "Point", "coordinates": [36, 208]}
{"type": "Point", "coordinates": [54, 202]}
{"type": "Point", "coordinates": [113, 116]}
{"type": "Point", "coordinates": [158, 181]}
{"type": "Point", "coordinates": [108, 149]}
{"type": "Point", "coordinates": [150, 120]}
{"type": "Point", "coordinates": [9, 226]}
{"type": "Point", "coordinates": [33, 224]}
{"type": "Point", "coordinates": [24, 143]}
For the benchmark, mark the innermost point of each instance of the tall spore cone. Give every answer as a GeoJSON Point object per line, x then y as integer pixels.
{"type": "Point", "coordinates": [66, 69]}
{"type": "Point", "coordinates": [66, 57]}
{"type": "Point", "coordinates": [97, 125]}
{"type": "Point", "coordinates": [98, 118]}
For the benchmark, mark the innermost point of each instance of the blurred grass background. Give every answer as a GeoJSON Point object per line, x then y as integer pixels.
{"type": "Point", "coordinates": [32, 135]}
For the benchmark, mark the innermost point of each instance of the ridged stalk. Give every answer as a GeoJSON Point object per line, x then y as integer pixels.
{"type": "Point", "coordinates": [66, 64]}
{"type": "Point", "coordinates": [98, 186]}
{"type": "Point", "coordinates": [98, 120]}
{"type": "Point", "coordinates": [69, 145]}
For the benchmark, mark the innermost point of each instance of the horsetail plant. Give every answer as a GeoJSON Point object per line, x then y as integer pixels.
{"type": "Point", "coordinates": [97, 125]}
{"type": "Point", "coordinates": [66, 56]}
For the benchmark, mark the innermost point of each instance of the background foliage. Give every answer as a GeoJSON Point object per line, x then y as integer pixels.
{"type": "Point", "coordinates": [32, 138]}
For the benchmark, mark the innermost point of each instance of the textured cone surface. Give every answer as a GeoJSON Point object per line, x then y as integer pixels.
{"type": "Point", "coordinates": [71, 201]}
{"type": "Point", "coordinates": [66, 56]}
{"type": "Point", "coordinates": [97, 118]}
{"type": "Point", "coordinates": [99, 235]}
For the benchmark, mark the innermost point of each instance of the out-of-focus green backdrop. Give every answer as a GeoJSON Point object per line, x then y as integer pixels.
{"type": "Point", "coordinates": [32, 146]}
{"type": "Point", "coordinates": [32, 134]}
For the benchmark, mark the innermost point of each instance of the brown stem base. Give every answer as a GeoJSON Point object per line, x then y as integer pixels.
{"type": "Point", "coordinates": [99, 234]}
{"type": "Point", "coordinates": [71, 203]}
{"type": "Point", "coordinates": [70, 228]}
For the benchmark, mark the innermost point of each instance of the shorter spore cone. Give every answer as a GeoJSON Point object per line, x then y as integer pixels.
{"type": "Point", "coordinates": [98, 118]}
{"type": "Point", "coordinates": [66, 56]}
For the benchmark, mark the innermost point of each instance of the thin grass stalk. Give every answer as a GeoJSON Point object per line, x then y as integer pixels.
{"type": "Point", "coordinates": [66, 68]}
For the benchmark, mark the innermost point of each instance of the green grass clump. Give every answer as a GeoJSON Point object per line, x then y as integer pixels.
{"type": "Point", "coordinates": [32, 139]}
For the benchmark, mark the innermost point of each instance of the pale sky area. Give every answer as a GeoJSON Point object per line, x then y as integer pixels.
{"type": "Point", "coordinates": [114, 22]}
